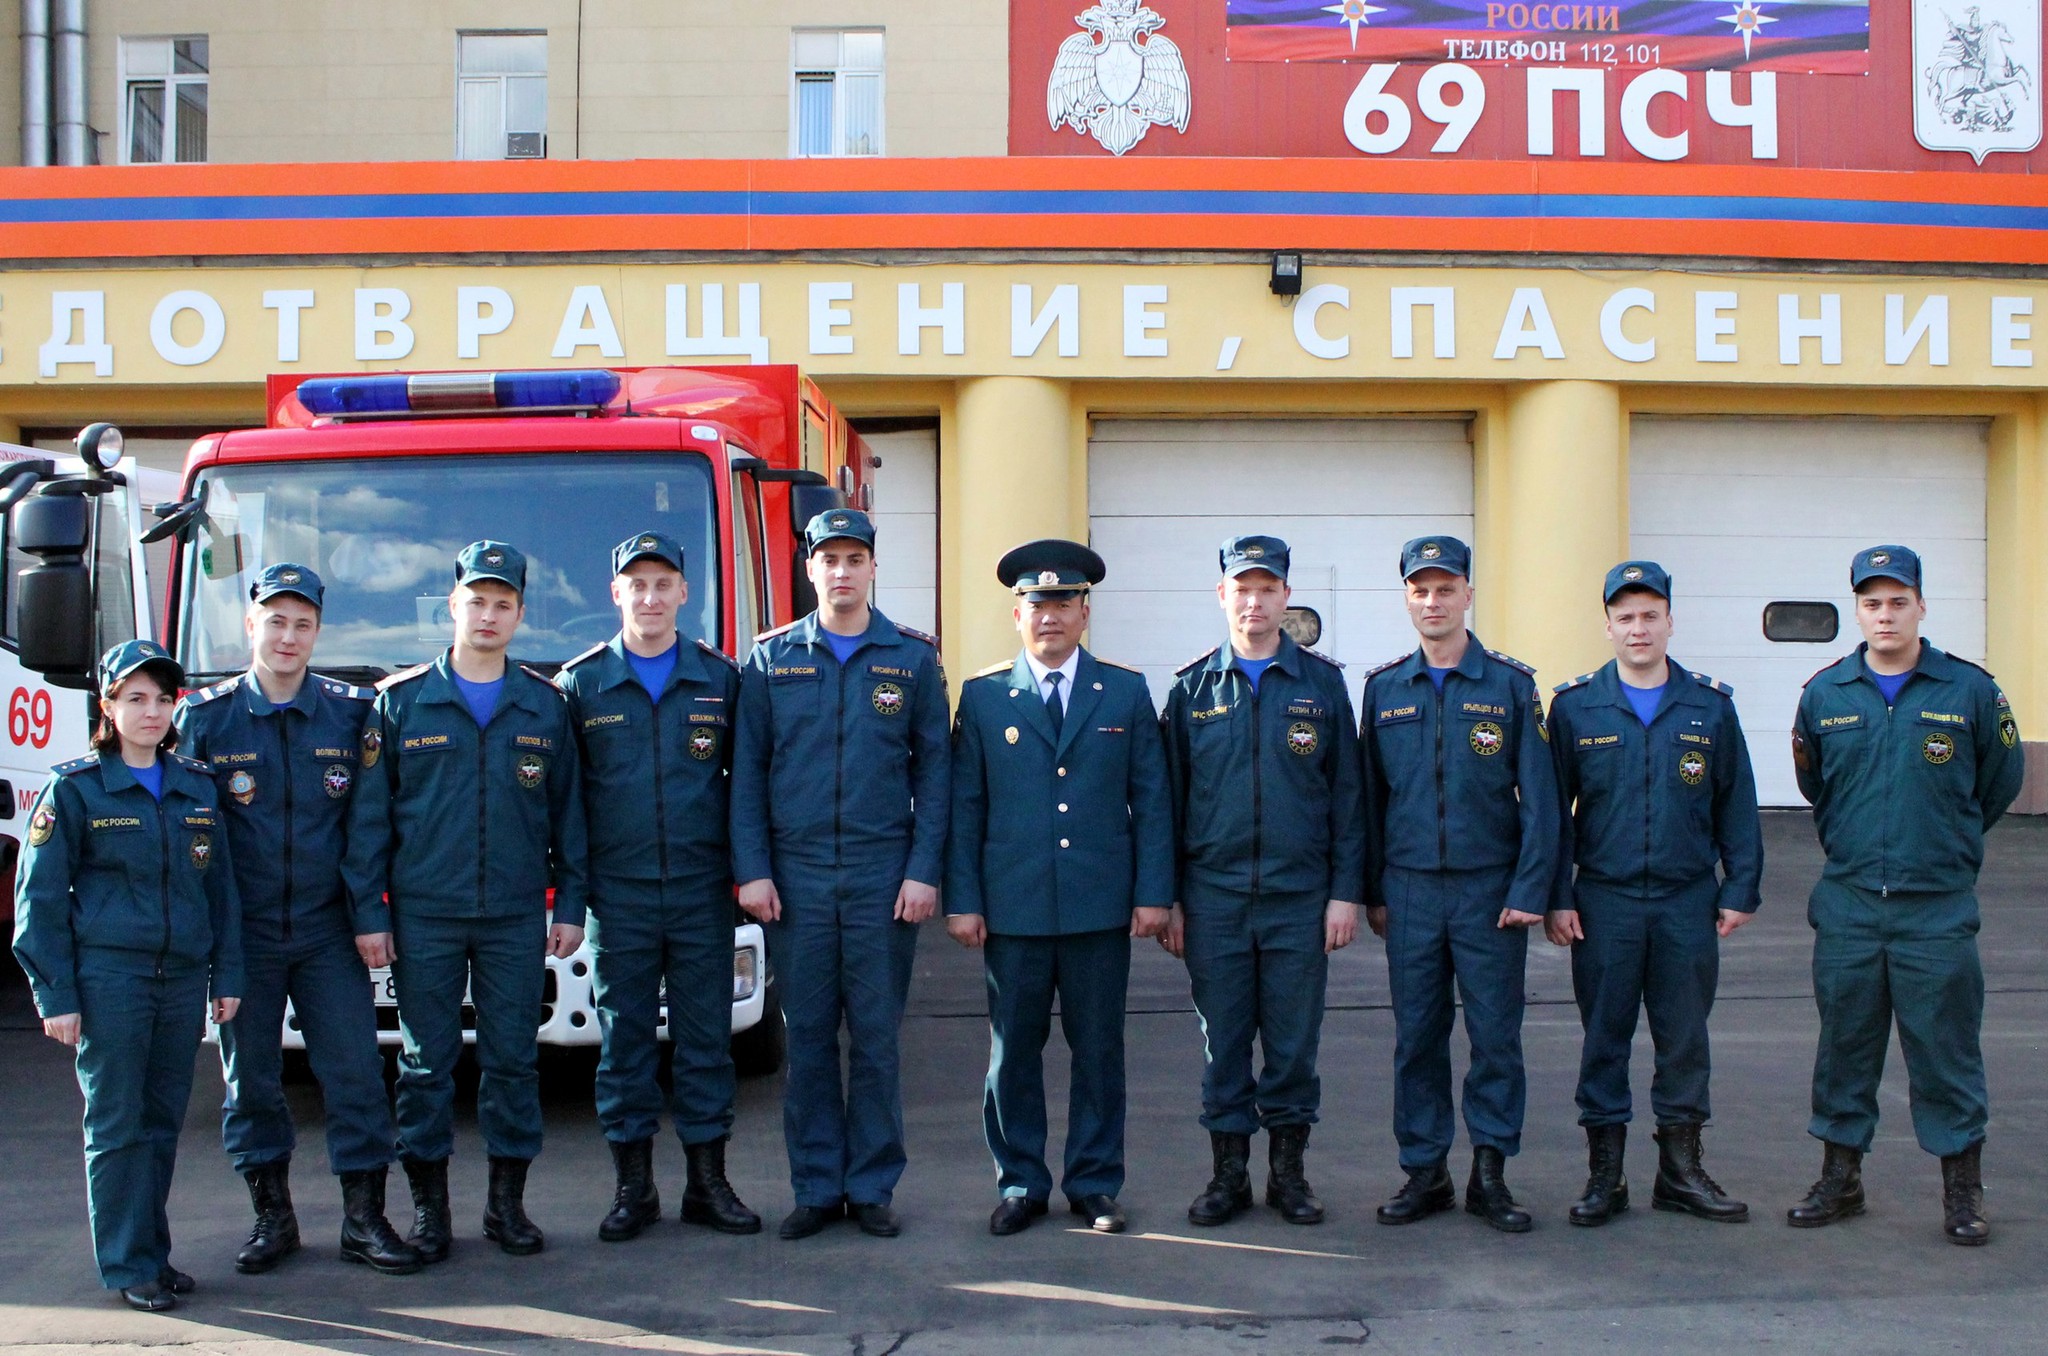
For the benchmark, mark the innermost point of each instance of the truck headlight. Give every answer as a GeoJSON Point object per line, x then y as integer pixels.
{"type": "Point", "coordinates": [744, 977]}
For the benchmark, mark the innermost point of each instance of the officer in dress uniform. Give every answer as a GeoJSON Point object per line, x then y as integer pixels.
{"type": "Point", "coordinates": [839, 799]}
{"type": "Point", "coordinates": [1463, 827]}
{"type": "Point", "coordinates": [285, 747]}
{"type": "Point", "coordinates": [1652, 757]}
{"type": "Point", "coordinates": [125, 915]}
{"type": "Point", "coordinates": [1262, 758]}
{"type": "Point", "coordinates": [1062, 851]}
{"type": "Point", "coordinates": [653, 715]}
{"type": "Point", "coordinates": [474, 809]}
{"type": "Point", "coordinates": [1909, 756]}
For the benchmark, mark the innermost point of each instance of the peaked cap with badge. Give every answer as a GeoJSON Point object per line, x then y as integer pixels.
{"type": "Point", "coordinates": [287, 577]}
{"type": "Point", "coordinates": [491, 560]}
{"type": "Point", "coordinates": [1636, 574]}
{"type": "Point", "coordinates": [1900, 563]}
{"type": "Point", "coordinates": [1050, 569]}
{"type": "Point", "coordinates": [849, 524]}
{"type": "Point", "coordinates": [1435, 553]}
{"type": "Point", "coordinates": [647, 546]}
{"type": "Point", "coordinates": [1240, 555]}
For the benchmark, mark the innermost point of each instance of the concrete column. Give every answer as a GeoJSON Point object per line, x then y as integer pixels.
{"type": "Point", "coordinates": [1006, 476]}
{"type": "Point", "coordinates": [1553, 519]}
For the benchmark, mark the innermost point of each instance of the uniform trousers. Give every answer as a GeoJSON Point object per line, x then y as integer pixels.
{"type": "Point", "coordinates": [654, 941]}
{"type": "Point", "coordinates": [138, 1040]}
{"type": "Point", "coordinates": [1909, 958]}
{"type": "Point", "coordinates": [328, 987]}
{"type": "Point", "coordinates": [1443, 947]}
{"type": "Point", "coordinates": [842, 959]}
{"type": "Point", "coordinates": [1258, 969]}
{"type": "Point", "coordinates": [1662, 955]}
{"type": "Point", "coordinates": [502, 962]}
{"type": "Point", "coordinates": [1089, 972]}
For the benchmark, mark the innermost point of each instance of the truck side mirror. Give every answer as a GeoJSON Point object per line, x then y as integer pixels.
{"type": "Point", "coordinates": [54, 625]}
{"type": "Point", "coordinates": [807, 501]}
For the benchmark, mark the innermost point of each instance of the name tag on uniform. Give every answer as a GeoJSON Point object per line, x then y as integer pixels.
{"type": "Point", "coordinates": [415, 743]}
{"type": "Point", "coordinates": [198, 821]}
{"type": "Point", "coordinates": [596, 722]}
{"type": "Point", "coordinates": [335, 753]}
{"type": "Point", "coordinates": [541, 742]}
{"type": "Point", "coordinates": [1830, 724]}
{"type": "Point", "coordinates": [1394, 715]}
{"type": "Point", "coordinates": [791, 673]}
{"type": "Point", "coordinates": [1943, 718]}
{"type": "Point", "coordinates": [886, 671]}
{"type": "Point", "coordinates": [707, 718]}
{"type": "Point", "coordinates": [1481, 709]}
{"type": "Point", "coordinates": [1301, 708]}
{"type": "Point", "coordinates": [1599, 741]}
{"type": "Point", "coordinates": [1688, 737]}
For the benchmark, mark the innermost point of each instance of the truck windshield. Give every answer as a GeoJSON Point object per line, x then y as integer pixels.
{"type": "Point", "coordinates": [383, 532]}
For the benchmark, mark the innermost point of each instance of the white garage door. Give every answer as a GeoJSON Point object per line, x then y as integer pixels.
{"type": "Point", "coordinates": [1745, 512]}
{"type": "Point", "coordinates": [1344, 494]}
{"type": "Point", "coordinates": [907, 527]}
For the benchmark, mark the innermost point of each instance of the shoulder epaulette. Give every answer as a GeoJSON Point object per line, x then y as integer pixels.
{"type": "Point", "coordinates": [1715, 683]}
{"type": "Point", "coordinates": [1198, 660]}
{"type": "Point", "coordinates": [334, 687]}
{"type": "Point", "coordinates": [212, 691]}
{"type": "Point", "coordinates": [1966, 663]}
{"type": "Point", "coordinates": [1111, 663]}
{"type": "Point", "coordinates": [1318, 654]}
{"type": "Point", "coordinates": [590, 653]}
{"type": "Point", "coordinates": [190, 764]}
{"type": "Point", "coordinates": [770, 635]}
{"type": "Point", "coordinates": [1004, 666]}
{"type": "Point", "coordinates": [718, 654]}
{"type": "Point", "coordinates": [1511, 662]}
{"type": "Point", "coordinates": [403, 676]}
{"type": "Point", "coordinates": [1817, 673]}
{"type": "Point", "coordinates": [539, 677]}
{"type": "Point", "coordinates": [916, 634]}
{"type": "Point", "coordinates": [65, 769]}
{"type": "Point", "coordinates": [1378, 669]}
{"type": "Point", "coordinates": [1579, 681]}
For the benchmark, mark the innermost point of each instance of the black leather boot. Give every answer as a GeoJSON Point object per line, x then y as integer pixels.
{"type": "Point", "coordinates": [1606, 1184]}
{"type": "Point", "coordinates": [505, 1221]}
{"type": "Point", "coordinates": [366, 1235]}
{"type": "Point", "coordinates": [708, 1198]}
{"type": "Point", "coordinates": [1837, 1195]}
{"type": "Point", "coordinates": [1428, 1191]}
{"type": "Point", "coordinates": [1229, 1192]}
{"type": "Point", "coordinates": [276, 1235]}
{"type": "Point", "coordinates": [636, 1204]}
{"type": "Point", "coordinates": [432, 1229]}
{"type": "Point", "coordinates": [1487, 1195]}
{"type": "Point", "coordinates": [1287, 1188]}
{"type": "Point", "coordinates": [1682, 1182]}
{"type": "Point", "coordinates": [1962, 1197]}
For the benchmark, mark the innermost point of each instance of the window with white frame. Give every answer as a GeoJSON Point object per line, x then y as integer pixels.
{"type": "Point", "coordinates": [501, 96]}
{"type": "Point", "coordinates": [836, 92]}
{"type": "Point", "coordinates": [163, 100]}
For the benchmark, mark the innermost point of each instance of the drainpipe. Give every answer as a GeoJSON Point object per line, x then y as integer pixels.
{"type": "Point", "coordinates": [74, 137]}
{"type": "Point", "coordinates": [35, 82]}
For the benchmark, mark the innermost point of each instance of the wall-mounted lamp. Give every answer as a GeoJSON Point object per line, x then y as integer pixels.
{"type": "Point", "coordinates": [1286, 279]}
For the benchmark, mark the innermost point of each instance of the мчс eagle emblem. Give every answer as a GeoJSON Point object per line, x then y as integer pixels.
{"type": "Point", "coordinates": [1119, 78]}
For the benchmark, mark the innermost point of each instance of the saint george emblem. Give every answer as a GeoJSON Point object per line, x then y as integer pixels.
{"type": "Point", "coordinates": [703, 743]}
{"type": "Point", "coordinates": [44, 823]}
{"type": "Point", "coordinates": [373, 746]}
{"type": "Point", "coordinates": [202, 851]}
{"type": "Point", "coordinates": [1692, 767]}
{"type": "Point", "coordinates": [1488, 739]}
{"type": "Point", "coordinates": [1976, 71]}
{"type": "Point", "coordinates": [1120, 78]}
{"type": "Point", "coordinates": [336, 780]}
{"type": "Point", "coordinates": [242, 787]}
{"type": "Point", "coordinates": [532, 767]}
{"type": "Point", "coordinates": [1301, 738]}
{"type": "Point", "coordinates": [1938, 747]}
{"type": "Point", "coordinates": [1010, 735]}
{"type": "Point", "coordinates": [888, 699]}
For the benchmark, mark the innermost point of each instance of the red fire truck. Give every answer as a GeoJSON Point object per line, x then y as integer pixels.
{"type": "Point", "coordinates": [376, 480]}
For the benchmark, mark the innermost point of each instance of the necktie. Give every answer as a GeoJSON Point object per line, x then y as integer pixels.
{"type": "Point", "coordinates": [1053, 707]}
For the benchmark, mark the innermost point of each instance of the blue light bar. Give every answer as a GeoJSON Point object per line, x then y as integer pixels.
{"type": "Point", "coordinates": [391, 394]}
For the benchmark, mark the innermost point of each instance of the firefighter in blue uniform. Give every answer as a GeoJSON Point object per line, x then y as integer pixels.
{"type": "Point", "coordinates": [285, 747]}
{"type": "Point", "coordinates": [653, 715]}
{"type": "Point", "coordinates": [1462, 828]}
{"type": "Point", "coordinates": [1909, 756]}
{"type": "Point", "coordinates": [125, 916]}
{"type": "Point", "coordinates": [1062, 851]}
{"type": "Point", "coordinates": [473, 810]}
{"type": "Point", "coordinates": [839, 801]}
{"type": "Point", "coordinates": [1262, 758]}
{"type": "Point", "coordinates": [1652, 762]}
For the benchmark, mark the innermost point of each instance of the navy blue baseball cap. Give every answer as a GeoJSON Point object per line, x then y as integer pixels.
{"type": "Point", "coordinates": [647, 546]}
{"type": "Point", "coordinates": [1436, 553]}
{"type": "Point", "coordinates": [1240, 554]}
{"type": "Point", "coordinates": [1050, 569]}
{"type": "Point", "coordinates": [130, 655]}
{"type": "Point", "coordinates": [481, 560]}
{"type": "Point", "coordinates": [286, 577]}
{"type": "Point", "coordinates": [833, 524]}
{"type": "Point", "coordinates": [1636, 574]}
{"type": "Point", "coordinates": [1885, 562]}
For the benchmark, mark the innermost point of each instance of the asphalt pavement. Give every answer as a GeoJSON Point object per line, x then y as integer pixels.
{"type": "Point", "coordinates": [1649, 1282]}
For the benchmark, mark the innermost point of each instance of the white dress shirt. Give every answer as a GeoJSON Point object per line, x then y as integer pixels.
{"type": "Point", "coordinates": [1066, 672]}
